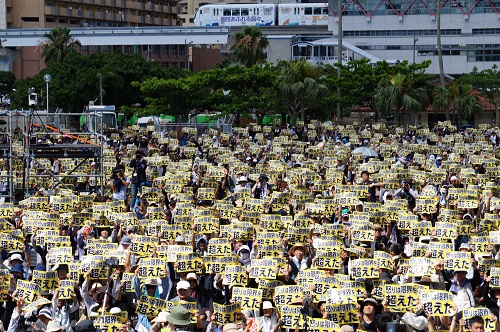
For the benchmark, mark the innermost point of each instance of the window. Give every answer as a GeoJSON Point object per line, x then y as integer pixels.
{"type": "Point", "coordinates": [245, 12]}
{"type": "Point", "coordinates": [173, 50]}
{"type": "Point", "coordinates": [235, 12]}
{"type": "Point", "coordinates": [308, 11]}
{"type": "Point", "coordinates": [127, 49]}
{"type": "Point", "coordinates": [317, 10]}
{"type": "Point", "coordinates": [226, 12]}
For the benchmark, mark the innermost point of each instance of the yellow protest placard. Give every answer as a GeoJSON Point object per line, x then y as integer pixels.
{"type": "Point", "coordinates": [342, 314]}
{"type": "Point", "coordinates": [268, 287]}
{"type": "Point", "coordinates": [188, 262]}
{"type": "Point", "coordinates": [264, 268]}
{"type": "Point", "coordinates": [150, 306]}
{"type": "Point", "coordinates": [364, 268]}
{"type": "Point", "coordinates": [66, 289]}
{"type": "Point", "coordinates": [438, 302]}
{"type": "Point", "coordinates": [219, 247]}
{"type": "Point", "coordinates": [29, 291]}
{"type": "Point", "coordinates": [285, 295]}
{"type": "Point", "coordinates": [249, 298]}
{"type": "Point", "coordinates": [47, 280]}
{"type": "Point", "coordinates": [151, 267]}
{"type": "Point", "coordinates": [225, 314]}
{"type": "Point", "coordinates": [400, 297]}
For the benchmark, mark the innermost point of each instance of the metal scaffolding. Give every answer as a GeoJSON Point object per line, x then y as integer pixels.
{"type": "Point", "coordinates": [46, 138]}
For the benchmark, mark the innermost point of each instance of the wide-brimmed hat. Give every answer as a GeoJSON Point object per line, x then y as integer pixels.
{"type": "Point", "coordinates": [243, 179]}
{"type": "Point", "coordinates": [16, 257]}
{"type": "Point", "coordinates": [54, 326]}
{"type": "Point", "coordinates": [115, 311]}
{"type": "Point", "coordinates": [263, 176]}
{"type": "Point", "coordinates": [267, 305]}
{"type": "Point", "coordinates": [126, 240]}
{"type": "Point", "coordinates": [179, 316]}
{"type": "Point", "coordinates": [152, 281]}
{"type": "Point", "coordinates": [86, 326]}
{"type": "Point", "coordinates": [414, 321]}
{"type": "Point", "coordinates": [45, 311]}
{"type": "Point", "coordinates": [298, 246]}
{"type": "Point", "coordinates": [231, 327]}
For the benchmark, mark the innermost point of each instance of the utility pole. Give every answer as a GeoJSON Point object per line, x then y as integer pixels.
{"type": "Point", "coordinates": [339, 56]}
{"type": "Point", "coordinates": [415, 40]}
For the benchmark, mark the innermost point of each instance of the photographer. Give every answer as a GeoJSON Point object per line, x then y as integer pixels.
{"type": "Point", "coordinates": [119, 184]}
{"type": "Point", "coordinates": [139, 164]}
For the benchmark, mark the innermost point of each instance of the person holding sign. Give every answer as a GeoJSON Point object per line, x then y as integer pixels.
{"type": "Point", "coordinates": [298, 260]}
{"type": "Point", "coordinates": [463, 288]}
{"type": "Point", "coordinates": [139, 165]}
{"type": "Point", "coordinates": [261, 188]}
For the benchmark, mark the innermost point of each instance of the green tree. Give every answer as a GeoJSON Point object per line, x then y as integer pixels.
{"type": "Point", "coordinates": [57, 44]}
{"type": "Point", "coordinates": [487, 81]}
{"type": "Point", "coordinates": [299, 86]}
{"type": "Point", "coordinates": [249, 47]}
{"type": "Point", "coordinates": [399, 93]}
{"type": "Point", "coordinates": [457, 98]}
{"type": "Point", "coordinates": [7, 80]}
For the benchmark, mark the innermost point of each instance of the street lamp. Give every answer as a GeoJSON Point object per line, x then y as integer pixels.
{"type": "Point", "coordinates": [47, 78]}
{"type": "Point", "coordinates": [415, 40]}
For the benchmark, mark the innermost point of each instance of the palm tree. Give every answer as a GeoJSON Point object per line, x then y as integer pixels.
{"type": "Point", "coordinates": [400, 93]}
{"type": "Point", "coordinates": [298, 82]}
{"type": "Point", "coordinates": [249, 46]}
{"type": "Point", "coordinates": [57, 44]}
{"type": "Point", "coordinates": [459, 98]}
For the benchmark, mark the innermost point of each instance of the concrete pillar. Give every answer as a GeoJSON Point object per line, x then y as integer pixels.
{"type": "Point", "coordinates": [7, 57]}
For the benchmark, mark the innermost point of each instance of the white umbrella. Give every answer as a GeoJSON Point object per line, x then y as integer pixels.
{"type": "Point", "coordinates": [366, 151]}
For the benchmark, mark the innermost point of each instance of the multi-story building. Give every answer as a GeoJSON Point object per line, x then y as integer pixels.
{"type": "Point", "coordinates": [407, 30]}
{"type": "Point", "coordinates": [32, 14]}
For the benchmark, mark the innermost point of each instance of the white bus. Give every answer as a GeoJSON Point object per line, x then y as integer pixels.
{"type": "Point", "coordinates": [236, 15]}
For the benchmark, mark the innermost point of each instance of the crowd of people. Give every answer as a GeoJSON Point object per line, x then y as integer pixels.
{"type": "Point", "coordinates": [316, 226]}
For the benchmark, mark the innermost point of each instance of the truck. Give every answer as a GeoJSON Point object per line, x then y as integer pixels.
{"type": "Point", "coordinates": [96, 115]}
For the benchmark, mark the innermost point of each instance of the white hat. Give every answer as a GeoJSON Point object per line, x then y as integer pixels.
{"type": "Point", "coordinates": [267, 305]}
{"type": "Point", "coordinates": [152, 281]}
{"type": "Point", "coordinates": [16, 256]}
{"type": "Point", "coordinates": [464, 246]}
{"type": "Point", "coordinates": [453, 178]}
{"type": "Point", "coordinates": [191, 276]}
{"type": "Point", "coordinates": [54, 326]}
{"type": "Point", "coordinates": [347, 328]}
{"type": "Point", "coordinates": [161, 318]}
{"type": "Point", "coordinates": [115, 311]}
{"type": "Point", "coordinates": [183, 284]}
{"type": "Point", "coordinates": [414, 321]}
{"type": "Point", "coordinates": [244, 247]}
{"type": "Point", "coordinates": [439, 158]}
{"type": "Point", "coordinates": [243, 179]}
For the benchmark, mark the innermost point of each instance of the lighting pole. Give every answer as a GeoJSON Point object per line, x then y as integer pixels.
{"type": "Point", "coordinates": [47, 78]}
{"type": "Point", "coordinates": [415, 40]}
{"type": "Point", "coordinates": [100, 87]}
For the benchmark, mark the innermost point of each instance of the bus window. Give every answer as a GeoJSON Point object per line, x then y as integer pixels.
{"type": "Point", "coordinates": [317, 11]}
{"type": "Point", "coordinates": [308, 11]}
{"type": "Point", "coordinates": [256, 11]}
{"type": "Point", "coordinates": [235, 12]}
{"type": "Point", "coordinates": [226, 12]}
{"type": "Point", "coordinates": [245, 12]}
{"type": "Point", "coordinates": [325, 11]}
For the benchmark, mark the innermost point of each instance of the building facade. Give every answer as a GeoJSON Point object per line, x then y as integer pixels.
{"type": "Point", "coordinates": [407, 30]}
{"type": "Point", "coordinates": [32, 14]}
